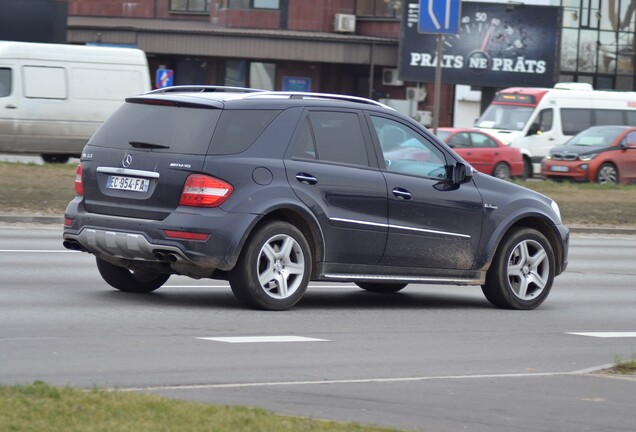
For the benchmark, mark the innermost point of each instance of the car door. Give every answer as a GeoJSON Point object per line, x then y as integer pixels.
{"type": "Point", "coordinates": [8, 105]}
{"type": "Point", "coordinates": [433, 223]}
{"type": "Point", "coordinates": [330, 170]}
{"type": "Point", "coordinates": [627, 160]}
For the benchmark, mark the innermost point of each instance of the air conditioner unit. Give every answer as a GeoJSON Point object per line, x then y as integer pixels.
{"type": "Point", "coordinates": [424, 117]}
{"type": "Point", "coordinates": [390, 77]}
{"type": "Point", "coordinates": [417, 94]}
{"type": "Point", "coordinates": [345, 23]}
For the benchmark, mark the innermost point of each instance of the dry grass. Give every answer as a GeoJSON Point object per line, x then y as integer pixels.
{"type": "Point", "coordinates": [590, 204]}
{"type": "Point", "coordinates": [36, 189]}
{"type": "Point", "coordinates": [41, 407]}
{"type": "Point", "coordinates": [47, 189]}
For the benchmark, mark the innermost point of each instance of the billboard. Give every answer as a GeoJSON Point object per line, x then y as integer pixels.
{"type": "Point", "coordinates": [497, 45]}
{"type": "Point", "coordinates": [33, 20]}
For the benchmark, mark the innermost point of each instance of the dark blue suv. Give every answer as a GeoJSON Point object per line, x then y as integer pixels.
{"type": "Point", "coordinates": [272, 190]}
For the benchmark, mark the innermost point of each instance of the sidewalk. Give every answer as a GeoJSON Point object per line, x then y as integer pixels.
{"type": "Point", "coordinates": [59, 220]}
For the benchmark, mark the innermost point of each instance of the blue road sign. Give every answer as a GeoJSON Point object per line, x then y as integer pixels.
{"type": "Point", "coordinates": [439, 16]}
{"type": "Point", "coordinates": [164, 78]}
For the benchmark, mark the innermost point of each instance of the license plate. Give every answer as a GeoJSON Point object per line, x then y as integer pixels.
{"type": "Point", "coordinates": [128, 183]}
{"type": "Point", "coordinates": [558, 168]}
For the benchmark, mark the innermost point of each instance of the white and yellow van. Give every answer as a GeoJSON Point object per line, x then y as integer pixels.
{"type": "Point", "coordinates": [537, 119]}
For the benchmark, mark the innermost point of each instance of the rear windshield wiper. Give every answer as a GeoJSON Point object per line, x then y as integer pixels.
{"type": "Point", "coordinates": [139, 144]}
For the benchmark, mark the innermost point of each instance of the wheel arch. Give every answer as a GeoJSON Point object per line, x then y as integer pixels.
{"type": "Point", "coordinates": [301, 219]}
{"type": "Point", "coordinates": [601, 165]}
{"type": "Point", "coordinates": [535, 221]}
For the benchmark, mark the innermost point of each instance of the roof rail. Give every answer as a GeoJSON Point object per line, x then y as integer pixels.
{"type": "Point", "coordinates": [305, 95]}
{"type": "Point", "coordinates": [204, 89]}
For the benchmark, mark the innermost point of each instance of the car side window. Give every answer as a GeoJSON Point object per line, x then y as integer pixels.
{"type": "Point", "coordinates": [545, 120]}
{"type": "Point", "coordinates": [482, 141]}
{"type": "Point", "coordinates": [5, 82]}
{"type": "Point", "coordinates": [630, 139]}
{"type": "Point", "coordinates": [332, 137]}
{"type": "Point", "coordinates": [460, 140]}
{"type": "Point", "coordinates": [305, 147]}
{"type": "Point", "coordinates": [407, 152]}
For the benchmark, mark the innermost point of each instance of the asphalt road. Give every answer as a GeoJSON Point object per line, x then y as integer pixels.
{"type": "Point", "coordinates": [431, 358]}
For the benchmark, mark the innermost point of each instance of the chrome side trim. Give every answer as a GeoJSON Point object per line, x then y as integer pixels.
{"type": "Point", "coordinates": [353, 221]}
{"type": "Point", "coordinates": [126, 171]}
{"type": "Point", "coordinates": [405, 279]}
{"type": "Point", "coordinates": [430, 231]}
{"type": "Point", "coordinates": [383, 225]}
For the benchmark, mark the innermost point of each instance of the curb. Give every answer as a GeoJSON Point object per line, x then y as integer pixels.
{"type": "Point", "coordinates": [59, 220]}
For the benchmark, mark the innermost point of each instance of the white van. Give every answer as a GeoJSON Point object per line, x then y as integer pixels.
{"type": "Point", "coordinates": [537, 119]}
{"type": "Point", "coordinates": [53, 97]}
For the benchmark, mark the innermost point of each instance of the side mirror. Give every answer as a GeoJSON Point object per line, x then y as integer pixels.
{"type": "Point", "coordinates": [460, 173]}
{"type": "Point", "coordinates": [534, 129]}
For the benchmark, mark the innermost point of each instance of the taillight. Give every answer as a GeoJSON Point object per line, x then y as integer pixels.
{"type": "Point", "coordinates": [79, 186]}
{"type": "Point", "coordinates": [185, 235]}
{"type": "Point", "coordinates": [204, 191]}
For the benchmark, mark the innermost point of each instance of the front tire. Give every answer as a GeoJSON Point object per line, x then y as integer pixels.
{"type": "Point", "coordinates": [55, 158]}
{"type": "Point", "coordinates": [381, 287]}
{"type": "Point", "coordinates": [522, 271]}
{"type": "Point", "coordinates": [607, 174]}
{"type": "Point", "coordinates": [273, 269]}
{"type": "Point", "coordinates": [138, 281]}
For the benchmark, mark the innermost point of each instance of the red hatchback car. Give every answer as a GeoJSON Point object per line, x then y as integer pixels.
{"type": "Point", "coordinates": [602, 154]}
{"type": "Point", "coordinates": [484, 152]}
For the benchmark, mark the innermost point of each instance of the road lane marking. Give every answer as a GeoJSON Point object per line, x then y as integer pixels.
{"type": "Point", "coordinates": [606, 334]}
{"type": "Point", "coordinates": [262, 339]}
{"type": "Point", "coordinates": [36, 251]}
{"type": "Point", "coordinates": [358, 381]}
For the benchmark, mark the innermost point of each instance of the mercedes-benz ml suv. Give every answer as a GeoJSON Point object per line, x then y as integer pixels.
{"type": "Point", "coordinates": [272, 190]}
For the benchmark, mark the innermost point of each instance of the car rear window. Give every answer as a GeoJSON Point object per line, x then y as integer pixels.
{"type": "Point", "coordinates": [170, 129]}
{"type": "Point", "coordinates": [237, 130]}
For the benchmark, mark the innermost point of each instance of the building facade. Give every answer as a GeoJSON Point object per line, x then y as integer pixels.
{"type": "Point", "coordinates": [335, 46]}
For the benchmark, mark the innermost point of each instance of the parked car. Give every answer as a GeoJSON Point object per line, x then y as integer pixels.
{"type": "Point", "coordinates": [271, 190]}
{"type": "Point", "coordinates": [602, 154]}
{"type": "Point", "coordinates": [484, 152]}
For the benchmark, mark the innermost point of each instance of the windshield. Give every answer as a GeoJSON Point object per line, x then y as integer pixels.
{"type": "Point", "coordinates": [597, 137]}
{"type": "Point", "coordinates": [508, 117]}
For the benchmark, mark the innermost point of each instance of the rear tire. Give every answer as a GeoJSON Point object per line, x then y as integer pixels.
{"type": "Point", "coordinates": [527, 169]}
{"type": "Point", "coordinates": [502, 171]}
{"type": "Point", "coordinates": [381, 287]}
{"type": "Point", "coordinates": [273, 269]}
{"type": "Point", "coordinates": [138, 281]}
{"type": "Point", "coordinates": [522, 271]}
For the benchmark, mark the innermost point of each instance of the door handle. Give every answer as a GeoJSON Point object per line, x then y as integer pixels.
{"type": "Point", "coordinates": [306, 178]}
{"type": "Point", "coordinates": [402, 193]}
{"type": "Point", "coordinates": [9, 106]}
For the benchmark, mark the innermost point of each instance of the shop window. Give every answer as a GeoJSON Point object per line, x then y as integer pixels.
{"type": "Point", "coordinates": [379, 8]}
{"type": "Point", "coordinates": [262, 75]}
{"type": "Point", "coordinates": [189, 5]}
{"type": "Point", "coordinates": [243, 73]}
{"type": "Point", "coordinates": [251, 4]}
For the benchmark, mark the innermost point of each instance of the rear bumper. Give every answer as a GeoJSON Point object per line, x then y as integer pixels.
{"type": "Point", "coordinates": [127, 241]}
